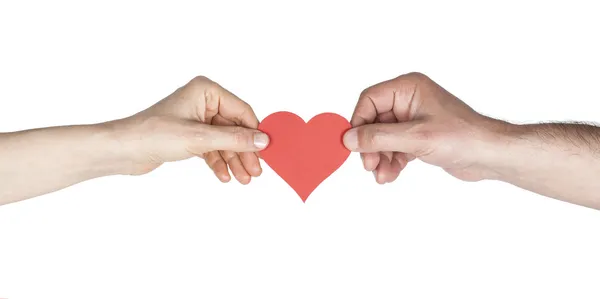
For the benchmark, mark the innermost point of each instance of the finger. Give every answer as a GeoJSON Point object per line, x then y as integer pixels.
{"type": "Point", "coordinates": [237, 139]}
{"type": "Point", "coordinates": [407, 137]}
{"type": "Point", "coordinates": [218, 166]}
{"type": "Point", "coordinates": [386, 117]}
{"type": "Point", "coordinates": [388, 170]}
{"type": "Point", "coordinates": [370, 160]}
{"type": "Point", "coordinates": [388, 154]}
{"type": "Point", "coordinates": [383, 170]}
{"type": "Point", "coordinates": [236, 166]}
{"type": "Point", "coordinates": [398, 95]}
{"type": "Point", "coordinates": [394, 172]}
{"type": "Point", "coordinates": [223, 102]}
{"type": "Point", "coordinates": [386, 157]}
{"type": "Point", "coordinates": [249, 160]}
{"type": "Point", "coordinates": [365, 112]}
{"type": "Point", "coordinates": [399, 162]}
{"type": "Point", "coordinates": [192, 102]}
{"type": "Point", "coordinates": [251, 163]}
{"type": "Point", "coordinates": [374, 100]}
{"type": "Point", "coordinates": [402, 159]}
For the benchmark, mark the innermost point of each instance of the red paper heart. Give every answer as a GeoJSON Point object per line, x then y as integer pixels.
{"type": "Point", "coordinates": [304, 154]}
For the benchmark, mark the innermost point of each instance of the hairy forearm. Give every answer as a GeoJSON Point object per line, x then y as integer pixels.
{"type": "Point", "coordinates": [40, 161]}
{"type": "Point", "coordinates": [558, 160]}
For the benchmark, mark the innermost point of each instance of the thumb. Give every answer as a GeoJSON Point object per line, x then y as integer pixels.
{"type": "Point", "coordinates": [406, 137]}
{"type": "Point", "coordinates": [234, 138]}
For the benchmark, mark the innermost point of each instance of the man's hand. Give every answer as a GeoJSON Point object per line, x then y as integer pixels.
{"type": "Point", "coordinates": [412, 117]}
{"type": "Point", "coordinates": [199, 119]}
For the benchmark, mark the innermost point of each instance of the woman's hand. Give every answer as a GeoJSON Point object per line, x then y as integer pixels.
{"type": "Point", "coordinates": [200, 119]}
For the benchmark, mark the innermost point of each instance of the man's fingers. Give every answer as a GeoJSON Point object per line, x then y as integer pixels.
{"type": "Point", "coordinates": [384, 170]}
{"type": "Point", "coordinates": [388, 97]}
{"type": "Point", "coordinates": [228, 138]}
{"type": "Point", "coordinates": [365, 111]}
{"type": "Point", "coordinates": [370, 160]}
{"type": "Point", "coordinates": [406, 137]}
{"type": "Point", "coordinates": [402, 159]}
{"type": "Point", "coordinates": [397, 97]}
{"type": "Point", "coordinates": [373, 101]}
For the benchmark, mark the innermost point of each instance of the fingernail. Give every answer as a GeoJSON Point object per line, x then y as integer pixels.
{"type": "Point", "coordinates": [261, 140]}
{"type": "Point", "coordinates": [351, 140]}
{"type": "Point", "coordinates": [376, 178]}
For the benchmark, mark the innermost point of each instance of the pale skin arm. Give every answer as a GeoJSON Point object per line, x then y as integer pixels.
{"type": "Point", "coordinates": [412, 117]}
{"type": "Point", "coordinates": [40, 161]}
{"type": "Point", "coordinates": [199, 119]}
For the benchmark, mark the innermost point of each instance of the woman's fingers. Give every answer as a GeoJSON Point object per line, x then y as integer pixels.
{"type": "Point", "coordinates": [217, 164]}
{"type": "Point", "coordinates": [235, 165]}
{"type": "Point", "coordinates": [251, 163]}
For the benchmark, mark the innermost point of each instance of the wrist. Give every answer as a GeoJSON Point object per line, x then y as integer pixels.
{"type": "Point", "coordinates": [144, 143]}
{"type": "Point", "coordinates": [501, 156]}
{"type": "Point", "coordinates": [121, 146]}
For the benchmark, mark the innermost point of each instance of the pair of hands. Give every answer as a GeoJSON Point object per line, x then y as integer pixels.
{"type": "Point", "coordinates": [394, 122]}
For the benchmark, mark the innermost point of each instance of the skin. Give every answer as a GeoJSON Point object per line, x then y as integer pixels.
{"type": "Point", "coordinates": [199, 119]}
{"type": "Point", "coordinates": [411, 117]}
{"type": "Point", "coordinates": [396, 121]}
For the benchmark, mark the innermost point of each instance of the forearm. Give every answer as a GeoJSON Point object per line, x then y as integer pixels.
{"type": "Point", "coordinates": [561, 161]}
{"type": "Point", "coordinates": [40, 161]}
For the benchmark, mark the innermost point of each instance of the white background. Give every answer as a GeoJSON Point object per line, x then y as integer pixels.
{"type": "Point", "coordinates": [179, 233]}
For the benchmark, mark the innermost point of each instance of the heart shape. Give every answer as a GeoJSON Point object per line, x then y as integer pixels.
{"type": "Point", "coordinates": [304, 154]}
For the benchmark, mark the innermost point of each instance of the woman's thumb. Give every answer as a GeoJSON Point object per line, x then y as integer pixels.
{"type": "Point", "coordinates": [234, 138]}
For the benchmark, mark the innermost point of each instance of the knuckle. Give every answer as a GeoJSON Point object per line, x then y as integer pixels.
{"type": "Point", "coordinates": [199, 80]}
{"type": "Point", "coordinates": [414, 78]}
{"type": "Point", "coordinates": [201, 83]}
{"type": "Point", "coordinates": [370, 138]}
{"type": "Point", "coordinates": [424, 136]}
{"type": "Point", "coordinates": [366, 93]}
{"type": "Point", "coordinates": [241, 136]}
{"type": "Point", "coordinates": [417, 76]}
{"type": "Point", "coordinates": [247, 107]}
{"type": "Point", "coordinates": [200, 134]}
{"type": "Point", "coordinates": [422, 133]}
{"type": "Point", "coordinates": [228, 156]}
{"type": "Point", "coordinates": [197, 139]}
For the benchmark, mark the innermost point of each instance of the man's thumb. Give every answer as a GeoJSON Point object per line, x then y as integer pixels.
{"type": "Point", "coordinates": [235, 138]}
{"type": "Point", "coordinates": [384, 137]}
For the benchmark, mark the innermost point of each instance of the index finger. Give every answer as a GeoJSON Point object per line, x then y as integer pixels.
{"type": "Point", "coordinates": [373, 101]}
{"type": "Point", "coordinates": [235, 109]}
{"type": "Point", "coordinates": [223, 102]}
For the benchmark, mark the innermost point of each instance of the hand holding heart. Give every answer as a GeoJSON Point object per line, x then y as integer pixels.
{"type": "Point", "coordinates": [411, 117]}
{"type": "Point", "coordinates": [394, 122]}
{"type": "Point", "coordinates": [199, 119]}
